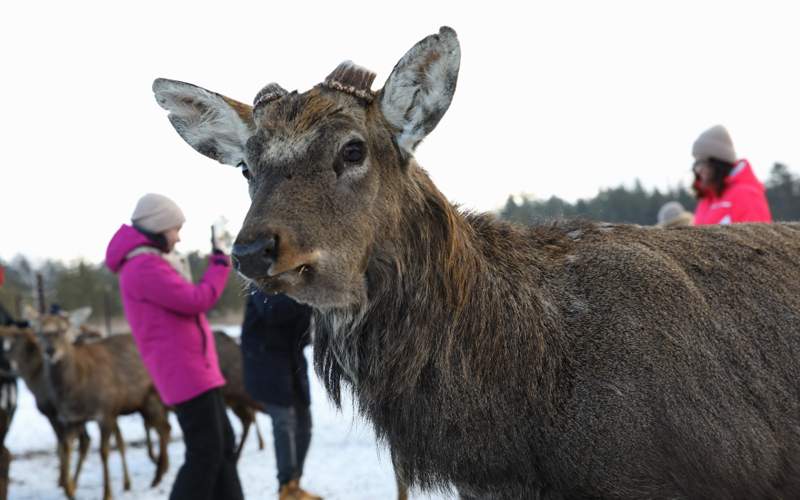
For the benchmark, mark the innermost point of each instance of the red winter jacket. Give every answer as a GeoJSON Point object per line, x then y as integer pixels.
{"type": "Point", "coordinates": [742, 200]}
{"type": "Point", "coordinates": [167, 316]}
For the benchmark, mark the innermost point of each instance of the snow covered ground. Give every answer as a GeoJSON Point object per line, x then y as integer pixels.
{"type": "Point", "coordinates": [344, 461]}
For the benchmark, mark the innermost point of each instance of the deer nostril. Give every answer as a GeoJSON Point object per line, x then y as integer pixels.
{"type": "Point", "coordinates": [255, 258]}
{"type": "Point", "coordinates": [271, 247]}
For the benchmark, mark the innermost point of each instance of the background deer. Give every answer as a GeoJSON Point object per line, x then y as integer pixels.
{"type": "Point", "coordinates": [27, 360]}
{"type": "Point", "coordinates": [98, 381]}
{"type": "Point", "coordinates": [236, 397]}
{"type": "Point", "coordinates": [563, 360]}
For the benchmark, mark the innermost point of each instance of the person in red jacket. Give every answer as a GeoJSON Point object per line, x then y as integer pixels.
{"type": "Point", "coordinates": [726, 187]}
{"type": "Point", "coordinates": [166, 312]}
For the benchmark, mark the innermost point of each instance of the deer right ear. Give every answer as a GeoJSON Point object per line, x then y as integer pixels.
{"type": "Point", "coordinates": [79, 316]}
{"type": "Point", "coordinates": [31, 315]}
{"type": "Point", "coordinates": [421, 87]}
{"type": "Point", "coordinates": [214, 125]}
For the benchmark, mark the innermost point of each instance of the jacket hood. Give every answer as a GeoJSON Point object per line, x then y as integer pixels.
{"type": "Point", "coordinates": [124, 240]}
{"type": "Point", "coordinates": [742, 174]}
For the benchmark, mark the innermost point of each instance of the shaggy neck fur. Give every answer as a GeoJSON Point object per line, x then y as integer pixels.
{"type": "Point", "coordinates": [426, 348]}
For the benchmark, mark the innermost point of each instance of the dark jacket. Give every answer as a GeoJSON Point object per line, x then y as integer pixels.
{"type": "Point", "coordinates": [274, 333]}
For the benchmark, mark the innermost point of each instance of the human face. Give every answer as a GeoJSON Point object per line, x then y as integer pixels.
{"type": "Point", "coordinates": [704, 173]}
{"type": "Point", "coordinates": [172, 236]}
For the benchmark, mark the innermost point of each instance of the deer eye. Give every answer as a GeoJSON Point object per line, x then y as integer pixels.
{"type": "Point", "coordinates": [353, 152]}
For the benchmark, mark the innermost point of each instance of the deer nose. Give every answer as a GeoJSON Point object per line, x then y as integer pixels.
{"type": "Point", "coordinates": [254, 259]}
{"type": "Point", "coordinates": [50, 351]}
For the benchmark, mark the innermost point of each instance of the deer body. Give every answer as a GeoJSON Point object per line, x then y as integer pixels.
{"type": "Point", "coordinates": [559, 361]}
{"type": "Point", "coordinates": [99, 381]}
{"type": "Point", "coordinates": [27, 359]}
{"type": "Point", "coordinates": [605, 379]}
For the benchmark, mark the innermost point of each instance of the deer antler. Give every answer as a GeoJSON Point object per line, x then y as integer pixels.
{"type": "Point", "coordinates": [269, 93]}
{"type": "Point", "coordinates": [352, 79]}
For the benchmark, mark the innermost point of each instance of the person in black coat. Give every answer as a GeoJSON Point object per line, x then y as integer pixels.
{"type": "Point", "coordinates": [274, 333]}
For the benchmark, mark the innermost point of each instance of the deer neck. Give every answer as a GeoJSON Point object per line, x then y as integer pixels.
{"type": "Point", "coordinates": [437, 279]}
{"type": "Point", "coordinates": [63, 372]}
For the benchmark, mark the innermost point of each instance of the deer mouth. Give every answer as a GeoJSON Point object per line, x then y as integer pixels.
{"type": "Point", "coordinates": [284, 280]}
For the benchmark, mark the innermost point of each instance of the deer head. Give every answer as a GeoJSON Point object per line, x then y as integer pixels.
{"type": "Point", "coordinates": [57, 332]}
{"type": "Point", "coordinates": [326, 169]}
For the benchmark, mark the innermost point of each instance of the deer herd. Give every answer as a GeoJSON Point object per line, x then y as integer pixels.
{"type": "Point", "coordinates": [78, 376]}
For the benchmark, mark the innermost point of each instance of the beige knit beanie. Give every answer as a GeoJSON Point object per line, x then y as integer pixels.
{"type": "Point", "coordinates": [714, 143]}
{"type": "Point", "coordinates": [157, 213]}
{"type": "Point", "coordinates": [672, 214]}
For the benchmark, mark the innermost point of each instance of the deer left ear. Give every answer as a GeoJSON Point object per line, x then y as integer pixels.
{"type": "Point", "coordinates": [421, 86]}
{"type": "Point", "coordinates": [32, 316]}
{"type": "Point", "coordinates": [79, 316]}
{"type": "Point", "coordinates": [214, 125]}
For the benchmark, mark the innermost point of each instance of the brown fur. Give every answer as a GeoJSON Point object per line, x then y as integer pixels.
{"type": "Point", "coordinates": [25, 355]}
{"type": "Point", "coordinates": [99, 381]}
{"type": "Point", "coordinates": [559, 361]}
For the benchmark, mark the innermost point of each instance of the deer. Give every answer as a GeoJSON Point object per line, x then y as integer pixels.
{"type": "Point", "coordinates": [26, 358]}
{"type": "Point", "coordinates": [564, 359]}
{"type": "Point", "coordinates": [236, 397]}
{"type": "Point", "coordinates": [98, 381]}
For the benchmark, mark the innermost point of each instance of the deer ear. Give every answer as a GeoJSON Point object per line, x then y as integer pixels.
{"type": "Point", "coordinates": [215, 125]}
{"type": "Point", "coordinates": [79, 316]}
{"type": "Point", "coordinates": [421, 86]}
{"type": "Point", "coordinates": [30, 314]}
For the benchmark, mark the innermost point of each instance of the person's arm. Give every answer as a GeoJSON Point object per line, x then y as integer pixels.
{"type": "Point", "coordinates": [157, 282]}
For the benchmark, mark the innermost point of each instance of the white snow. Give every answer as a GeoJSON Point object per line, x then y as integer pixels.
{"type": "Point", "coordinates": [344, 461]}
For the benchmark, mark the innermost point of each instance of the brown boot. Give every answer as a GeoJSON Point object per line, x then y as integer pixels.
{"type": "Point", "coordinates": [289, 491]}
{"type": "Point", "coordinates": [301, 493]}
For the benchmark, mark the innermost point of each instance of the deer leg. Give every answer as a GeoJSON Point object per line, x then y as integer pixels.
{"type": "Point", "coordinates": [106, 429]}
{"type": "Point", "coordinates": [163, 458]}
{"type": "Point", "coordinates": [155, 415]}
{"type": "Point", "coordinates": [62, 483]}
{"type": "Point", "coordinates": [58, 428]}
{"type": "Point", "coordinates": [246, 416]}
{"type": "Point", "coordinates": [149, 442]}
{"type": "Point", "coordinates": [5, 464]}
{"type": "Point", "coordinates": [258, 434]}
{"type": "Point", "coordinates": [64, 456]}
{"type": "Point", "coordinates": [402, 489]}
{"type": "Point", "coordinates": [121, 447]}
{"type": "Point", "coordinates": [83, 448]}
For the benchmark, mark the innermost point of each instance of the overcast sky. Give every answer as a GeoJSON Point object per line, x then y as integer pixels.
{"type": "Point", "coordinates": [554, 98]}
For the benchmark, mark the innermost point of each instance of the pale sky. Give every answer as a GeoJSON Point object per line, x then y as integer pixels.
{"type": "Point", "coordinates": [554, 98]}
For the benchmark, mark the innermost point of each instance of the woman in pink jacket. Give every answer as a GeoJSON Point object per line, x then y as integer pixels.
{"type": "Point", "coordinates": [166, 312]}
{"type": "Point", "coordinates": [726, 187]}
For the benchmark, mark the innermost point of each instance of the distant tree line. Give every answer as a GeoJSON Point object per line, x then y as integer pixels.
{"type": "Point", "coordinates": [640, 206]}
{"type": "Point", "coordinates": [82, 284]}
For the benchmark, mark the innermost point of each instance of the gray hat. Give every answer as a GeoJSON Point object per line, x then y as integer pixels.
{"type": "Point", "coordinates": [673, 214]}
{"type": "Point", "coordinates": [714, 143]}
{"type": "Point", "coordinates": [157, 213]}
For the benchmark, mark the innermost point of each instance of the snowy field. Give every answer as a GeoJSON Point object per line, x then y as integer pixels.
{"type": "Point", "coordinates": [344, 461]}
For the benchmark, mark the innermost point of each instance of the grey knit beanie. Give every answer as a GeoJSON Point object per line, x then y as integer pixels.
{"type": "Point", "coordinates": [673, 214]}
{"type": "Point", "coordinates": [714, 143]}
{"type": "Point", "coordinates": [157, 213]}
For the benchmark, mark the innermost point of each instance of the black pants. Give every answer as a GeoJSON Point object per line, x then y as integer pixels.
{"type": "Point", "coordinates": [291, 428]}
{"type": "Point", "coordinates": [209, 469]}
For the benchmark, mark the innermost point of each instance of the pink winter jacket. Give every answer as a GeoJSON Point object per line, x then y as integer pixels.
{"type": "Point", "coordinates": [167, 316]}
{"type": "Point", "coordinates": [742, 200]}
